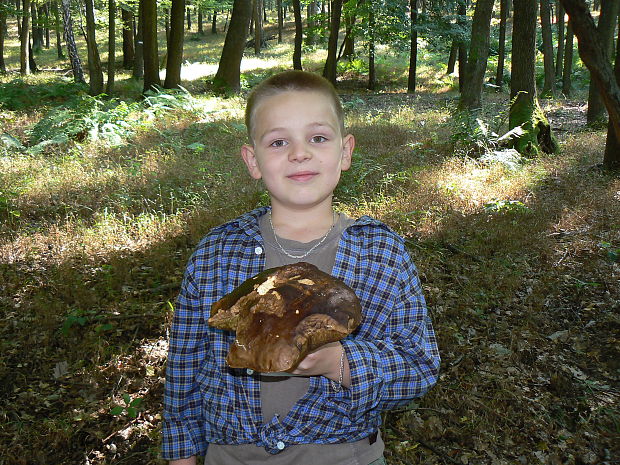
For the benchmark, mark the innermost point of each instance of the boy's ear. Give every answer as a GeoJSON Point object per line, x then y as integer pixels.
{"type": "Point", "coordinates": [249, 158]}
{"type": "Point", "coordinates": [348, 144]}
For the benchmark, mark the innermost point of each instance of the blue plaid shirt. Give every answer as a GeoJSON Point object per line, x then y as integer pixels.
{"type": "Point", "coordinates": [392, 355]}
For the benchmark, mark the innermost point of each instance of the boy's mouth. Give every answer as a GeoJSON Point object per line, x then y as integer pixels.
{"type": "Point", "coordinates": [302, 176]}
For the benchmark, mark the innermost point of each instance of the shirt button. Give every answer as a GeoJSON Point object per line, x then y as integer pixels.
{"type": "Point", "coordinates": [249, 371]}
{"type": "Point", "coordinates": [258, 250]}
{"type": "Point", "coordinates": [280, 445]}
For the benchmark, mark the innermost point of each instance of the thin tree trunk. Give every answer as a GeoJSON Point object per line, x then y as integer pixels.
{"type": "Point", "coordinates": [138, 62]}
{"type": "Point", "coordinates": [189, 18]}
{"type": "Point", "coordinates": [501, 57]}
{"type": "Point", "coordinates": [298, 35]}
{"type": "Point", "coordinates": [2, 32]}
{"type": "Point", "coordinates": [199, 21]}
{"type": "Point", "coordinates": [37, 42]}
{"type": "Point", "coordinates": [24, 49]}
{"type": "Point", "coordinates": [214, 23]}
{"type": "Point", "coordinates": [462, 12]}
{"type": "Point", "coordinates": [18, 17]}
{"type": "Point", "coordinates": [74, 58]}
{"type": "Point", "coordinates": [454, 51]}
{"type": "Point", "coordinates": [568, 61]}
{"type": "Point", "coordinates": [57, 27]}
{"type": "Point", "coordinates": [175, 45]}
{"type": "Point", "coordinates": [111, 46]}
{"type": "Point", "coordinates": [372, 75]}
{"type": "Point", "coordinates": [606, 26]}
{"type": "Point", "coordinates": [329, 71]}
{"type": "Point", "coordinates": [94, 62]}
{"type": "Point", "coordinates": [258, 26]}
{"type": "Point", "coordinates": [280, 20]}
{"type": "Point", "coordinates": [228, 74]}
{"type": "Point", "coordinates": [151, 55]}
{"type": "Point", "coordinates": [46, 10]}
{"type": "Point", "coordinates": [545, 20]}
{"type": "Point", "coordinates": [128, 50]}
{"type": "Point", "coordinates": [471, 95]}
{"type": "Point", "coordinates": [611, 159]}
{"type": "Point", "coordinates": [559, 62]}
{"type": "Point", "coordinates": [348, 50]}
{"type": "Point", "coordinates": [413, 54]}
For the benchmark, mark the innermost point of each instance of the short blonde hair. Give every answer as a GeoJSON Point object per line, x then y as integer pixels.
{"type": "Point", "coordinates": [293, 80]}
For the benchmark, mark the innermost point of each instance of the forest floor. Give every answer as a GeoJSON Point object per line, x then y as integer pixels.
{"type": "Point", "coordinates": [520, 265]}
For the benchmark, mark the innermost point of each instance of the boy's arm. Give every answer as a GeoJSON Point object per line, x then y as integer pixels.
{"type": "Point", "coordinates": [182, 432]}
{"type": "Point", "coordinates": [391, 368]}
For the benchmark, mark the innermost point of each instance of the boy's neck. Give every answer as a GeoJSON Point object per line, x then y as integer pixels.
{"type": "Point", "coordinates": [302, 225]}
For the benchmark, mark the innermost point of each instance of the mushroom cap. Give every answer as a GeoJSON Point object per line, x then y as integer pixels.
{"type": "Point", "coordinates": [282, 314]}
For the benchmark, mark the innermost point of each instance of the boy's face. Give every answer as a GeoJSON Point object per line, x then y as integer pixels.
{"type": "Point", "coordinates": [298, 149]}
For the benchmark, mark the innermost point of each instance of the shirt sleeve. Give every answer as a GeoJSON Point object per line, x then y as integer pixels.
{"type": "Point", "coordinates": [182, 432]}
{"type": "Point", "coordinates": [402, 363]}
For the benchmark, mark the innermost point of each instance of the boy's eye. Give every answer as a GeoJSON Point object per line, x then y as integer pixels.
{"type": "Point", "coordinates": [319, 139]}
{"type": "Point", "coordinates": [278, 143]}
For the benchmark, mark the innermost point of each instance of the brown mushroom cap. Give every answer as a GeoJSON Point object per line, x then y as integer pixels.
{"type": "Point", "coordinates": [282, 314]}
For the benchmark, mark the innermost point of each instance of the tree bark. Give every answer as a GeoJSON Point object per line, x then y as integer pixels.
{"type": "Point", "coordinates": [606, 26]}
{"type": "Point", "coordinates": [280, 20]}
{"type": "Point", "coordinates": [501, 55]}
{"type": "Point", "coordinates": [228, 74]}
{"type": "Point", "coordinates": [611, 159]}
{"type": "Point", "coordinates": [128, 50]}
{"type": "Point", "coordinates": [57, 27]}
{"type": "Point", "coordinates": [559, 62]}
{"type": "Point", "coordinates": [372, 74]}
{"type": "Point", "coordinates": [189, 17]}
{"type": "Point", "coordinates": [111, 46]}
{"type": "Point", "coordinates": [349, 38]}
{"type": "Point", "coordinates": [151, 56]}
{"type": "Point", "coordinates": [471, 95]}
{"type": "Point", "coordinates": [175, 45]}
{"type": "Point", "coordinates": [37, 36]}
{"type": "Point", "coordinates": [594, 56]}
{"type": "Point", "coordinates": [454, 50]}
{"type": "Point", "coordinates": [462, 13]}
{"type": "Point", "coordinates": [200, 21]}
{"type": "Point", "coordinates": [329, 71]}
{"type": "Point", "coordinates": [214, 23]}
{"type": "Point", "coordinates": [2, 29]}
{"type": "Point", "coordinates": [567, 71]}
{"type": "Point", "coordinates": [298, 35]}
{"type": "Point", "coordinates": [413, 54]}
{"type": "Point", "coordinates": [95, 71]}
{"type": "Point", "coordinates": [24, 48]}
{"type": "Point", "coordinates": [524, 109]}
{"type": "Point", "coordinates": [74, 58]}
{"type": "Point", "coordinates": [258, 25]}
{"type": "Point", "coordinates": [545, 21]}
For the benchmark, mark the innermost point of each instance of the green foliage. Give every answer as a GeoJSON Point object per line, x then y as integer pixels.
{"type": "Point", "coordinates": [18, 95]}
{"type": "Point", "coordinates": [611, 253]}
{"type": "Point", "coordinates": [356, 66]}
{"type": "Point", "coordinates": [8, 208]}
{"type": "Point", "coordinates": [77, 317]}
{"type": "Point", "coordinates": [506, 206]}
{"type": "Point", "coordinates": [131, 407]}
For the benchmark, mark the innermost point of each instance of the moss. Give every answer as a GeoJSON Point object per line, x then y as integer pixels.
{"type": "Point", "coordinates": [537, 135]}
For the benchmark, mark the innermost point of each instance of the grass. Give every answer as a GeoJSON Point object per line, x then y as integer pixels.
{"type": "Point", "coordinates": [518, 268]}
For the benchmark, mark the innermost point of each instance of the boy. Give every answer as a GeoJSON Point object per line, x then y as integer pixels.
{"type": "Point", "coordinates": [328, 410]}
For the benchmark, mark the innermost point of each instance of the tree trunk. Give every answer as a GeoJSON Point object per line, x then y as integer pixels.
{"type": "Point", "coordinates": [95, 71]}
{"type": "Point", "coordinates": [2, 29]}
{"type": "Point", "coordinates": [18, 17]}
{"type": "Point", "coordinates": [228, 74]}
{"type": "Point", "coordinates": [138, 62]}
{"type": "Point", "coordinates": [189, 18]}
{"type": "Point", "coordinates": [280, 20]}
{"type": "Point", "coordinates": [24, 48]}
{"type": "Point", "coordinates": [349, 38]}
{"type": "Point", "coordinates": [258, 25]}
{"type": "Point", "coordinates": [175, 45]}
{"type": "Point", "coordinates": [611, 159]}
{"type": "Point", "coordinates": [57, 27]}
{"type": "Point", "coordinates": [413, 54]}
{"type": "Point", "coordinates": [545, 21]}
{"type": "Point", "coordinates": [567, 71]}
{"type": "Point", "coordinates": [111, 46]}
{"type": "Point", "coordinates": [606, 26]}
{"type": "Point", "coordinates": [214, 23]}
{"type": "Point", "coordinates": [329, 71]}
{"type": "Point", "coordinates": [462, 13]}
{"type": "Point", "coordinates": [298, 35]}
{"type": "Point", "coordinates": [200, 21]}
{"type": "Point", "coordinates": [128, 50]}
{"type": "Point", "coordinates": [372, 75]}
{"type": "Point", "coordinates": [594, 56]}
{"type": "Point", "coordinates": [501, 55]}
{"type": "Point", "coordinates": [37, 37]}
{"type": "Point", "coordinates": [454, 50]}
{"type": "Point", "coordinates": [559, 62]}
{"type": "Point", "coordinates": [46, 10]}
{"type": "Point", "coordinates": [525, 110]}
{"type": "Point", "coordinates": [74, 58]}
{"type": "Point", "coordinates": [471, 95]}
{"type": "Point", "coordinates": [151, 56]}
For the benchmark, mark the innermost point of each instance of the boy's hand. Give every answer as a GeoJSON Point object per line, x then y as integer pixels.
{"type": "Point", "coordinates": [325, 361]}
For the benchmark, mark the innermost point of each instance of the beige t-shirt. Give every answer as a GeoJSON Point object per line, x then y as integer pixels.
{"type": "Point", "coordinates": [278, 393]}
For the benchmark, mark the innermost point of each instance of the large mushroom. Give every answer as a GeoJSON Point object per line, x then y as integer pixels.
{"type": "Point", "coordinates": [282, 314]}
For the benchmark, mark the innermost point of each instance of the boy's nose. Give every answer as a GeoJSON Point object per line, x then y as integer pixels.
{"type": "Point", "coordinates": [299, 152]}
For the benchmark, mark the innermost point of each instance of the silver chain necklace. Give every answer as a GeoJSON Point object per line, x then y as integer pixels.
{"type": "Point", "coordinates": [275, 236]}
